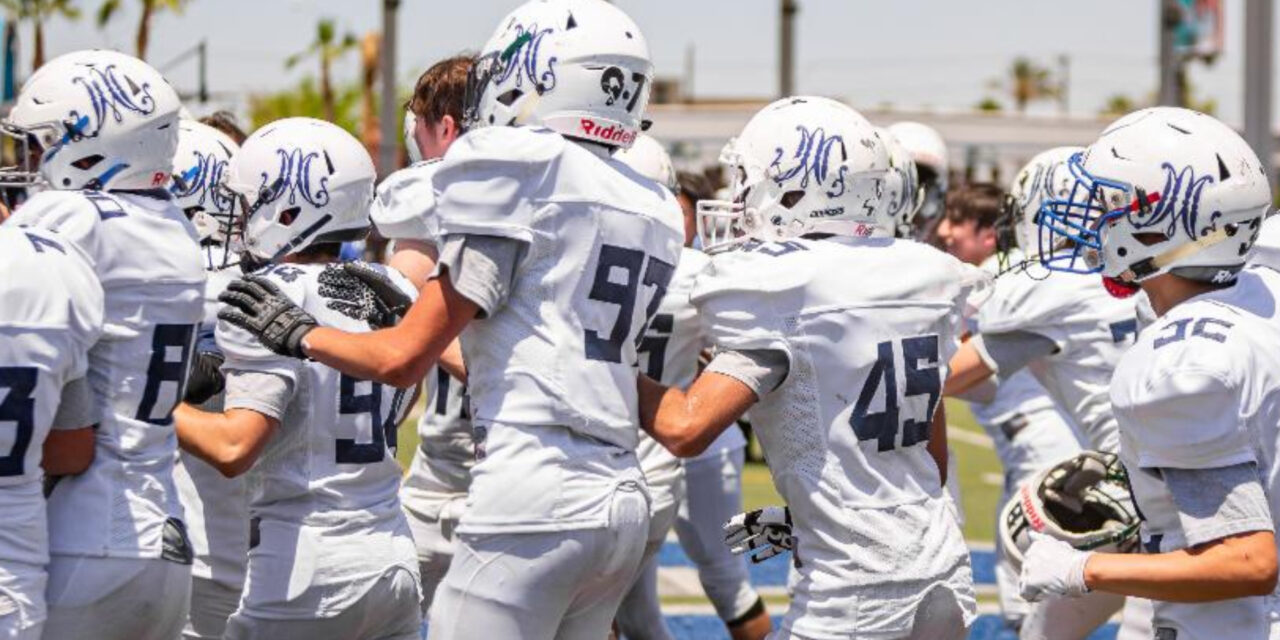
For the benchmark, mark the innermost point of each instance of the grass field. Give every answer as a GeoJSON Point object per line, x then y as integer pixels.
{"type": "Point", "coordinates": [977, 466]}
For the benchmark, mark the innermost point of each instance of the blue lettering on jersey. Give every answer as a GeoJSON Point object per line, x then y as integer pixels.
{"type": "Point", "coordinates": [40, 242]}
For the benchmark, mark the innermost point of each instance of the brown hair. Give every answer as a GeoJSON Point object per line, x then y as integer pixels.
{"type": "Point", "coordinates": [225, 122]}
{"type": "Point", "coordinates": [441, 90]}
{"type": "Point", "coordinates": [979, 202]}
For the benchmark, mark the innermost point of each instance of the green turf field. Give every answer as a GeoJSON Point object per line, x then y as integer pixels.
{"type": "Point", "coordinates": [978, 470]}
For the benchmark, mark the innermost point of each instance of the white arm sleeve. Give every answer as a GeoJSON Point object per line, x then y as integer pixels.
{"type": "Point", "coordinates": [76, 409]}
{"type": "Point", "coordinates": [265, 393]}
{"type": "Point", "coordinates": [481, 268]}
{"type": "Point", "coordinates": [762, 370]}
{"type": "Point", "coordinates": [1008, 352]}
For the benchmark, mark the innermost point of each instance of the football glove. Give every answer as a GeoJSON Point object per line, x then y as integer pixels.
{"type": "Point", "coordinates": [256, 305]}
{"type": "Point", "coordinates": [364, 292]}
{"type": "Point", "coordinates": [205, 380]}
{"type": "Point", "coordinates": [762, 533]}
{"type": "Point", "coordinates": [1052, 568]}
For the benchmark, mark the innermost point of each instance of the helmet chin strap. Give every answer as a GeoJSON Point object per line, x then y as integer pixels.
{"type": "Point", "coordinates": [1155, 264]}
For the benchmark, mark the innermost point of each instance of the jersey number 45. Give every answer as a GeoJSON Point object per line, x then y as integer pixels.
{"type": "Point", "coordinates": [922, 377]}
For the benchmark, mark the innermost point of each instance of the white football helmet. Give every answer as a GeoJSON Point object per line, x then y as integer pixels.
{"type": "Point", "coordinates": [929, 151]}
{"type": "Point", "coordinates": [300, 181]}
{"type": "Point", "coordinates": [801, 165]}
{"type": "Point", "coordinates": [649, 159]}
{"type": "Point", "coordinates": [202, 157]}
{"type": "Point", "coordinates": [96, 119]}
{"type": "Point", "coordinates": [578, 67]}
{"type": "Point", "coordinates": [903, 186]}
{"type": "Point", "coordinates": [1162, 190]}
{"type": "Point", "coordinates": [1084, 501]}
{"type": "Point", "coordinates": [1045, 177]}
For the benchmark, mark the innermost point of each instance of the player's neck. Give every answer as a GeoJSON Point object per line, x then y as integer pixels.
{"type": "Point", "coordinates": [1167, 291]}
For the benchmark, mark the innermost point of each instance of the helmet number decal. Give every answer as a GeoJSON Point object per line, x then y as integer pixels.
{"type": "Point", "coordinates": [614, 84]}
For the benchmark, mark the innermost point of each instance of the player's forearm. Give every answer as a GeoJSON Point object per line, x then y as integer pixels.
{"type": "Point", "coordinates": [230, 442]}
{"type": "Point", "coordinates": [1233, 567]}
{"type": "Point", "coordinates": [401, 355]}
{"type": "Point", "coordinates": [966, 371]}
{"type": "Point", "coordinates": [938, 441]}
{"type": "Point", "coordinates": [687, 422]}
{"type": "Point", "coordinates": [451, 361]}
{"type": "Point", "coordinates": [68, 452]}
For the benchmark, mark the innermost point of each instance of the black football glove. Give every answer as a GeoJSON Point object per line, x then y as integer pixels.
{"type": "Point", "coordinates": [256, 305]}
{"type": "Point", "coordinates": [363, 292]}
{"type": "Point", "coordinates": [205, 380]}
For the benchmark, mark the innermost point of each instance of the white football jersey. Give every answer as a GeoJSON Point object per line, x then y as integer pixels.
{"type": "Point", "coordinates": [846, 431]}
{"type": "Point", "coordinates": [216, 507]}
{"type": "Point", "coordinates": [1266, 249]}
{"type": "Point", "coordinates": [145, 254]}
{"type": "Point", "coordinates": [1017, 398]}
{"type": "Point", "coordinates": [669, 354]}
{"type": "Point", "coordinates": [1090, 328]}
{"type": "Point", "coordinates": [324, 488]}
{"type": "Point", "coordinates": [552, 373]}
{"type": "Point", "coordinates": [441, 468]}
{"type": "Point", "coordinates": [1201, 390]}
{"type": "Point", "coordinates": [51, 310]}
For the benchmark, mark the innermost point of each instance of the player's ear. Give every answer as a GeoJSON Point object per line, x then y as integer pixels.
{"type": "Point", "coordinates": [448, 129]}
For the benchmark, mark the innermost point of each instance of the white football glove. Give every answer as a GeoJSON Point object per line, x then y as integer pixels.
{"type": "Point", "coordinates": [762, 533]}
{"type": "Point", "coordinates": [1052, 568]}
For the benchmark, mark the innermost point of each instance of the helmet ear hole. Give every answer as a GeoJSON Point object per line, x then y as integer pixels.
{"type": "Point", "coordinates": [509, 97]}
{"type": "Point", "coordinates": [289, 215]}
{"type": "Point", "coordinates": [791, 198]}
{"type": "Point", "coordinates": [87, 162]}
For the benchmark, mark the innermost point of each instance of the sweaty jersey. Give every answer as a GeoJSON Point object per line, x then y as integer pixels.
{"type": "Point", "coordinates": [144, 252]}
{"type": "Point", "coordinates": [324, 488]}
{"type": "Point", "coordinates": [1201, 390]}
{"type": "Point", "coordinates": [846, 431]}
{"type": "Point", "coordinates": [441, 468]}
{"type": "Point", "coordinates": [51, 308]}
{"type": "Point", "coordinates": [1090, 329]}
{"type": "Point", "coordinates": [552, 372]}
{"type": "Point", "coordinates": [216, 507]}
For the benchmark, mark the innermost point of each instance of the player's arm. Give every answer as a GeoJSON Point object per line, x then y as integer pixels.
{"type": "Point", "coordinates": [687, 422]}
{"type": "Point", "coordinates": [69, 447]}
{"type": "Point", "coordinates": [1237, 566]}
{"type": "Point", "coordinates": [938, 440]}
{"type": "Point", "coordinates": [416, 259]}
{"type": "Point", "coordinates": [232, 440]}
{"type": "Point", "coordinates": [985, 355]}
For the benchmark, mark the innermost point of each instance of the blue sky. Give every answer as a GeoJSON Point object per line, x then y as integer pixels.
{"type": "Point", "coordinates": [909, 53]}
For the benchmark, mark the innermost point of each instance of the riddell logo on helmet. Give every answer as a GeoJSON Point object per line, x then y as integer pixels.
{"type": "Point", "coordinates": [1029, 510]}
{"type": "Point", "coordinates": [611, 133]}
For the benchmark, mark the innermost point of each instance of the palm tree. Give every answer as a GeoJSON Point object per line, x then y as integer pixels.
{"type": "Point", "coordinates": [36, 11]}
{"type": "Point", "coordinates": [1030, 82]}
{"type": "Point", "coordinates": [327, 48]}
{"type": "Point", "coordinates": [110, 8]}
{"type": "Point", "coordinates": [1117, 105]}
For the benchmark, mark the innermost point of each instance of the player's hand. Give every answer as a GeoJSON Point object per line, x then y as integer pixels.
{"type": "Point", "coordinates": [205, 380]}
{"type": "Point", "coordinates": [256, 305]}
{"type": "Point", "coordinates": [762, 533]}
{"type": "Point", "coordinates": [364, 292]}
{"type": "Point", "coordinates": [1052, 568]}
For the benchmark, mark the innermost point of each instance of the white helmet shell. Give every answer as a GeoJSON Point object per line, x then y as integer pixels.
{"type": "Point", "coordinates": [903, 189]}
{"type": "Point", "coordinates": [801, 165]}
{"type": "Point", "coordinates": [104, 120]}
{"type": "Point", "coordinates": [301, 181]}
{"type": "Point", "coordinates": [410, 141]}
{"type": "Point", "coordinates": [929, 151]}
{"type": "Point", "coordinates": [1162, 190]}
{"type": "Point", "coordinates": [1083, 500]}
{"type": "Point", "coordinates": [1045, 177]}
{"type": "Point", "coordinates": [202, 158]}
{"type": "Point", "coordinates": [648, 157]}
{"type": "Point", "coordinates": [578, 67]}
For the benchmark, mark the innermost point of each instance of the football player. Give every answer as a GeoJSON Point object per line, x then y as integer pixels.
{"type": "Point", "coordinates": [334, 556]}
{"type": "Point", "coordinates": [663, 350]}
{"type": "Point", "coordinates": [933, 173]}
{"type": "Point", "coordinates": [1029, 432]}
{"type": "Point", "coordinates": [217, 507]}
{"type": "Point", "coordinates": [1171, 201]}
{"type": "Point", "coordinates": [106, 127]}
{"type": "Point", "coordinates": [51, 308]}
{"type": "Point", "coordinates": [843, 383]}
{"type": "Point", "coordinates": [435, 490]}
{"type": "Point", "coordinates": [553, 258]}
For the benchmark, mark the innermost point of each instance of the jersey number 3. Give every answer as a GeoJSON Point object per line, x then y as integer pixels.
{"type": "Point", "coordinates": [922, 377]}
{"type": "Point", "coordinates": [17, 406]}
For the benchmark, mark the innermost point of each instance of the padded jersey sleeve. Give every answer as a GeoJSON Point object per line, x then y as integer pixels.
{"type": "Point", "coordinates": [1220, 502]}
{"type": "Point", "coordinates": [404, 207]}
{"type": "Point", "coordinates": [70, 214]}
{"type": "Point", "coordinates": [737, 296]}
{"type": "Point", "coordinates": [488, 180]}
{"type": "Point", "coordinates": [244, 352]}
{"type": "Point", "coordinates": [481, 268]}
{"type": "Point", "coordinates": [1018, 302]}
{"type": "Point", "coordinates": [761, 370]}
